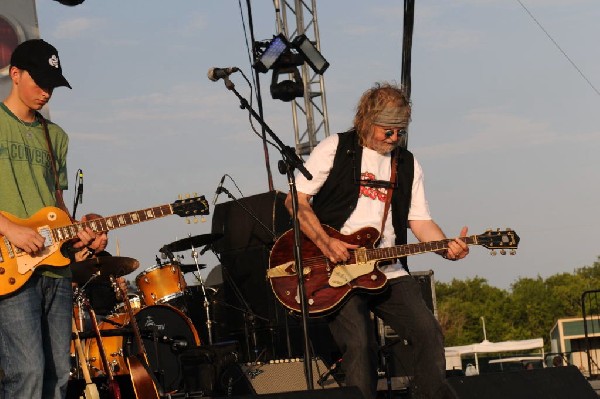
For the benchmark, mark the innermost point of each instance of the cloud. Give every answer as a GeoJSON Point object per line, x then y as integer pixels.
{"type": "Point", "coordinates": [498, 129]}
{"type": "Point", "coordinates": [194, 24]}
{"type": "Point", "coordinates": [74, 28]}
{"type": "Point", "coordinates": [450, 39]}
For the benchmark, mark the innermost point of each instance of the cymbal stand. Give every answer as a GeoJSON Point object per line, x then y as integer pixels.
{"type": "Point", "coordinates": [249, 316]}
{"type": "Point", "coordinates": [206, 304]}
{"type": "Point", "coordinates": [79, 298]}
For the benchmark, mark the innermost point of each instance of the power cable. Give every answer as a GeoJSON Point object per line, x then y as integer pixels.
{"type": "Point", "coordinates": [559, 48]}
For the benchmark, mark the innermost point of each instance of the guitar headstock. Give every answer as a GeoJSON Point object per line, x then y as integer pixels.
{"type": "Point", "coordinates": [190, 206]}
{"type": "Point", "coordinates": [499, 239]}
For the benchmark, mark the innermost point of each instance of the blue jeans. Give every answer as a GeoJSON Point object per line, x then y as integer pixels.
{"type": "Point", "coordinates": [402, 307]}
{"type": "Point", "coordinates": [35, 335]}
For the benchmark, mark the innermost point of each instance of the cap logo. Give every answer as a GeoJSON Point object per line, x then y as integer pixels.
{"type": "Point", "coordinates": [53, 61]}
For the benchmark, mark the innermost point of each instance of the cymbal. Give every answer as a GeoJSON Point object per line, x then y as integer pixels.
{"type": "Point", "coordinates": [115, 266]}
{"type": "Point", "coordinates": [191, 267]}
{"type": "Point", "coordinates": [196, 241]}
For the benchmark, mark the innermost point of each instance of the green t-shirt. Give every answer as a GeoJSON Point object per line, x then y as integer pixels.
{"type": "Point", "coordinates": [27, 182]}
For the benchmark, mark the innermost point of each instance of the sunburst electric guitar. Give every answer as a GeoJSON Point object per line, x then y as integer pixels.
{"type": "Point", "coordinates": [327, 285]}
{"type": "Point", "coordinates": [17, 266]}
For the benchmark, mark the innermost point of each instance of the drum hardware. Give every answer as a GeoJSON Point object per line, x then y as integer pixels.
{"type": "Point", "coordinates": [102, 267]}
{"type": "Point", "coordinates": [190, 268]}
{"type": "Point", "coordinates": [191, 242]}
{"type": "Point", "coordinates": [113, 387]}
{"type": "Point", "coordinates": [249, 318]}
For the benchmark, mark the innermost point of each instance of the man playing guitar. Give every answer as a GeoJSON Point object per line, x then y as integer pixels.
{"type": "Point", "coordinates": [366, 178]}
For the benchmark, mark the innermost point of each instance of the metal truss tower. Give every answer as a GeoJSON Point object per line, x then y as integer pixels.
{"type": "Point", "coordinates": [309, 113]}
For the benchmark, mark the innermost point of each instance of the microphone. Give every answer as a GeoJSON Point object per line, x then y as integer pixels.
{"type": "Point", "coordinates": [215, 74]}
{"type": "Point", "coordinates": [80, 186]}
{"type": "Point", "coordinates": [218, 191]}
{"type": "Point", "coordinates": [324, 376]}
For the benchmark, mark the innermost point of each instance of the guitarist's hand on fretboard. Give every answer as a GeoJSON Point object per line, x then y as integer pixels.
{"type": "Point", "coordinates": [457, 249]}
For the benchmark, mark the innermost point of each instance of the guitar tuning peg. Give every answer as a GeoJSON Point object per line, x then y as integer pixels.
{"type": "Point", "coordinates": [202, 219]}
{"type": "Point", "coordinates": [502, 252]}
{"type": "Point", "coordinates": [493, 252]}
{"type": "Point", "coordinates": [195, 194]}
{"type": "Point", "coordinates": [187, 220]}
{"type": "Point", "coordinates": [508, 229]}
{"type": "Point", "coordinates": [513, 252]}
{"type": "Point", "coordinates": [187, 196]}
{"type": "Point", "coordinates": [195, 219]}
{"type": "Point", "coordinates": [488, 230]}
{"type": "Point", "coordinates": [179, 196]}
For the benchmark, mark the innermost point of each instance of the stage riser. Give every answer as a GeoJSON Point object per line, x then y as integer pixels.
{"type": "Point", "coordinates": [548, 383]}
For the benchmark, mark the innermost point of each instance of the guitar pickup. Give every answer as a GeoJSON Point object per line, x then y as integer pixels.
{"type": "Point", "coordinates": [285, 270]}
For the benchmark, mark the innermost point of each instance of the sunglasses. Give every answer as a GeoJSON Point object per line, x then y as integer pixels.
{"type": "Point", "coordinates": [401, 133]}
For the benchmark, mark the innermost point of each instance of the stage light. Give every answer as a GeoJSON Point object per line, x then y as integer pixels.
{"type": "Point", "coordinates": [280, 53]}
{"type": "Point", "coordinates": [287, 90]}
{"type": "Point", "coordinates": [311, 55]}
{"type": "Point", "coordinates": [283, 57]}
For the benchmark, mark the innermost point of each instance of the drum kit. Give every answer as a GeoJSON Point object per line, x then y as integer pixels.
{"type": "Point", "coordinates": [160, 304]}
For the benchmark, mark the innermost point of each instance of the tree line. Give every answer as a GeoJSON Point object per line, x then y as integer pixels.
{"type": "Point", "coordinates": [529, 309]}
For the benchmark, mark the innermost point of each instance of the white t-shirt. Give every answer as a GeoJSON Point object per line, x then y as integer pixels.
{"type": "Point", "coordinates": [371, 202]}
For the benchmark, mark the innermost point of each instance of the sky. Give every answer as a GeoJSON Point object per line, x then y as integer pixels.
{"type": "Point", "coordinates": [504, 124]}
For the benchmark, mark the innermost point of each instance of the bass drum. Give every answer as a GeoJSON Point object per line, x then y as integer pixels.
{"type": "Point", "coordinates": [166, 333]}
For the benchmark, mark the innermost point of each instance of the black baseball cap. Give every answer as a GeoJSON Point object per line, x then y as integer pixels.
{"type": "Point", "coordinates": [40, 59]}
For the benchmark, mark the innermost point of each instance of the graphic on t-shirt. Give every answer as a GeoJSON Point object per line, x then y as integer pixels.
{"type": "Point", "coordinates": [372, 192]}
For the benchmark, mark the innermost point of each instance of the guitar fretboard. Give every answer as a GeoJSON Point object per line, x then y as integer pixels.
{"type": "Point", "coordinates": [414, 249]}
{"type": "Point", "coordinates": [65, 233]}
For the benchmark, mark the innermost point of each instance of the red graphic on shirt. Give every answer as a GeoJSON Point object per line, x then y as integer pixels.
{"type": "Point", "coordinates": [372, 192]}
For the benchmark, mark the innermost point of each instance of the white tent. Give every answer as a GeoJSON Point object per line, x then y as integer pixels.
{"type": "Point", "coordinates": [495, 347]}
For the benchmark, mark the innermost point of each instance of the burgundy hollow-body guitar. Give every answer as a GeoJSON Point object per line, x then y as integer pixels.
{"type": "Point", "coordinates": [328, 284]}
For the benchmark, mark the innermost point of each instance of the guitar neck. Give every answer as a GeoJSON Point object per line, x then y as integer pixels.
{"type": "Point", "coordinates": [400, 251]}
{"type": "Point", "coordinates": [66, 233]}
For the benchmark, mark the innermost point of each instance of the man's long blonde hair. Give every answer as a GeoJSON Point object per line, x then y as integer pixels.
{"type": "Point", "coordinates": [373, 101]}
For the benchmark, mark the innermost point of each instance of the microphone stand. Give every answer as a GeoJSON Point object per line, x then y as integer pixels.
{"type": "Point", "coordinates": [290, 161]}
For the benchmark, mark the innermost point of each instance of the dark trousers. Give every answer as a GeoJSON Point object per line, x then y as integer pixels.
{"type": "Point", "coordinates": [401, 307]}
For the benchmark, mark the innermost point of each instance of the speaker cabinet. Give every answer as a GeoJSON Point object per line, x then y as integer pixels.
{"type": "Point", "coordinates": [284, 376]}
{"type": "Point", "coordinates": [548, 383]}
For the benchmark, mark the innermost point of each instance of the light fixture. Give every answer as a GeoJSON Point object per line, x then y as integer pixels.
{"type": "Point", "coordinates": [286, 90]}
{"type": "Point", "coordinates": [311, 55]}
{"type": "Point", "coordinates": [284, 57]}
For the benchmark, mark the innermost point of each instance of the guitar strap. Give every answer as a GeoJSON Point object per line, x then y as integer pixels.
{"type": "Point", "coordinates": [390, 189]}
{"type": "Point", "coordinates": [52, 160]}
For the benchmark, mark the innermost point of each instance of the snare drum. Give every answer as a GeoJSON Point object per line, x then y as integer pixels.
{"type": "Point", "coordinates": [161, 284]}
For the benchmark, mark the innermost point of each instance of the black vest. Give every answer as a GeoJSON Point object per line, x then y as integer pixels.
{"type": "Point", "coordinates": [337, 199]}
